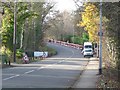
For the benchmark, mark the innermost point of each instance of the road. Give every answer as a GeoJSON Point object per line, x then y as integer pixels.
{"type": "Point", "coordinates": [60, 71]}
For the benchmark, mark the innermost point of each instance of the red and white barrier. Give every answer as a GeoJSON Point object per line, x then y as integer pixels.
{"type": "Point", "coordinates": [72, 45]}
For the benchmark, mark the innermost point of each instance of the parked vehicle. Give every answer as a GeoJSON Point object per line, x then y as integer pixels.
{"type": "Point", "coordinates": [87, 45]}
{"type": "Point", "coordinates": [88, 52]}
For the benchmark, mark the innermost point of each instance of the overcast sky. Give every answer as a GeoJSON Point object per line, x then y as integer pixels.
{"type": "Point", "coordinates": [62, 5]}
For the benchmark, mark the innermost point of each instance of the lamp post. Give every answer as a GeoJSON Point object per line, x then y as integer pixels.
{"type": "Point", "coordinates": [100, 41]}
{"type": "Point", "coordinates": [14, 34]}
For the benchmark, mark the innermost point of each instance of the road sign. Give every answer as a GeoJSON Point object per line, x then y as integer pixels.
{"type": "Point", "coordinates": [38, 54]}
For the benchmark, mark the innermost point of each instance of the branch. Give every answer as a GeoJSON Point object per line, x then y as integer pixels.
{"type": "Point", "coordinates": [46, 12]}
{"type": "Point", "coordinates": [77, 3]}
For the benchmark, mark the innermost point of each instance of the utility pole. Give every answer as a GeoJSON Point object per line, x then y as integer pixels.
{"type": "Point", "coordinates": [100, 41]}
{"type": "Point", "coordinates": [14, 34]}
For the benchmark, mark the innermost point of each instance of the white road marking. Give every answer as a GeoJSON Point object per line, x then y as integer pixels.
{"type": "Point", "coordinates": [49, 65]}
{"type": "Point", "coordinates": [66, 58]}
{"type": "Point", "coordinates": [29, 71]}
{"type": "Point", "coordinates": [60, 62]}
{"type": "Point", "coordinates": [41, 68]}
{"type": "Point", "coordinates": [11, 77]}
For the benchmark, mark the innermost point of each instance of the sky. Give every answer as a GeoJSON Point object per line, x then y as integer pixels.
{"type": "Point", "coordinates": [62, 5]}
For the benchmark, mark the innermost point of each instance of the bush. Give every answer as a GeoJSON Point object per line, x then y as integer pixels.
{"type": "Point", "coordinates": [19, 53]}
{"type": "Point", "coordinates": [50, 51]}
{"type": "Point", "coordinates": [77, 40]}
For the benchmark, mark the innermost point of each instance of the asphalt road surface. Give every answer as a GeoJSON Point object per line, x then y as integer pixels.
{"type": "Point", "coordinates": [60, 71]}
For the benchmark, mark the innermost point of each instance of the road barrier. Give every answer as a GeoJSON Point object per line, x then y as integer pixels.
{"type": "Point", "coordinates": [72, 45]}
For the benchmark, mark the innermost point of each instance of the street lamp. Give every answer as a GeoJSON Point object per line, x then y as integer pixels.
{"type": "Point", "coordinates": [14, 34]}
{"type": "Point", "coordinates": [100, 40]}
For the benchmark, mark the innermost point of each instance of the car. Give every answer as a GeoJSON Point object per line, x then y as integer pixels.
{"type": "Point", "coordinates": [87, 52]}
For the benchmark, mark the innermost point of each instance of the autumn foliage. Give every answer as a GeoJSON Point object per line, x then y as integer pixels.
{"type": "Point", "coordinates": [90, 21]}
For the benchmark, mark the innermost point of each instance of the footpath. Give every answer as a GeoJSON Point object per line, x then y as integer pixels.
{"type": "Point", "coordinates": [89, 76]}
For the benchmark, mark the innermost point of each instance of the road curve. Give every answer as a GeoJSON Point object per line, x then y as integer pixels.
{"type": "Point", "coordinates": [60, 71]}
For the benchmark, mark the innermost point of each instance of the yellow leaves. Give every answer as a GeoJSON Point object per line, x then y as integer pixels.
{"type": "Point", "coordinates": [2, 49]}
{"type": "Point", "coordinates": [90, 8]}
{"type": "Point", "coordinates": [90, 21]}
{"type": "Point", "coordinates": [81, 24]}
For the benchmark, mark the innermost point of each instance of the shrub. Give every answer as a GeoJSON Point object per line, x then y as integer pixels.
{"type": "Point", "coordinates": [19, 53]}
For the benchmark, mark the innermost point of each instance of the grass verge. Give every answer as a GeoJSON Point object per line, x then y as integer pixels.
{"type": "Point", "coordinates": [108, 79]}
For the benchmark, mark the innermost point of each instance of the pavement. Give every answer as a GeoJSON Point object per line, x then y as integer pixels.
{"type": "Point", "coordinates": [89, 76]}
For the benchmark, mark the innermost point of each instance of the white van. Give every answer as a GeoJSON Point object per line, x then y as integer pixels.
{"type": "Point", "coordinates": [87, 45]}
{"type": "Point", "coordinates": [87, 49]}
{"type": "Point", "coordinates": [88, 52]}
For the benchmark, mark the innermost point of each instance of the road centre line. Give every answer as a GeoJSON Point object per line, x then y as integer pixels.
{"type": "Point", "coordinates": [17, 75]}
{"type": "Point", "coordinates": [29, 71]}
{"type": "Point", "coordinates": [38, 68]}
{"type": "Point", "coordinates": [65, 59]}
{"type": "Point", "coordinates": [71, 55]}
{"type": "Point", "coordinates": [58, 61]}
{"type": "Point", "coordinates": [11, 77]}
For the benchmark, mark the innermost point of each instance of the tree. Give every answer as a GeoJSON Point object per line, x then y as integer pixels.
{"type": "Point", "coordinates": [111, 11]}
{"type": "Point", "coordinates": [42, 9]}
{"type": "Point", "coordinates": [89, 17]}
{"type": "Point", "coordinates": [8, 22]}
{"type": "Point", "coordinates": [61, 25]}
{"type": "Point", "coordinates": [90, 21]}
{"type": "Point", "coordinates": [31, 18]}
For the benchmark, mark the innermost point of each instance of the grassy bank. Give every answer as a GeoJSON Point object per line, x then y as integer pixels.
{"type": "Point", "coordinates": [50, 51]}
